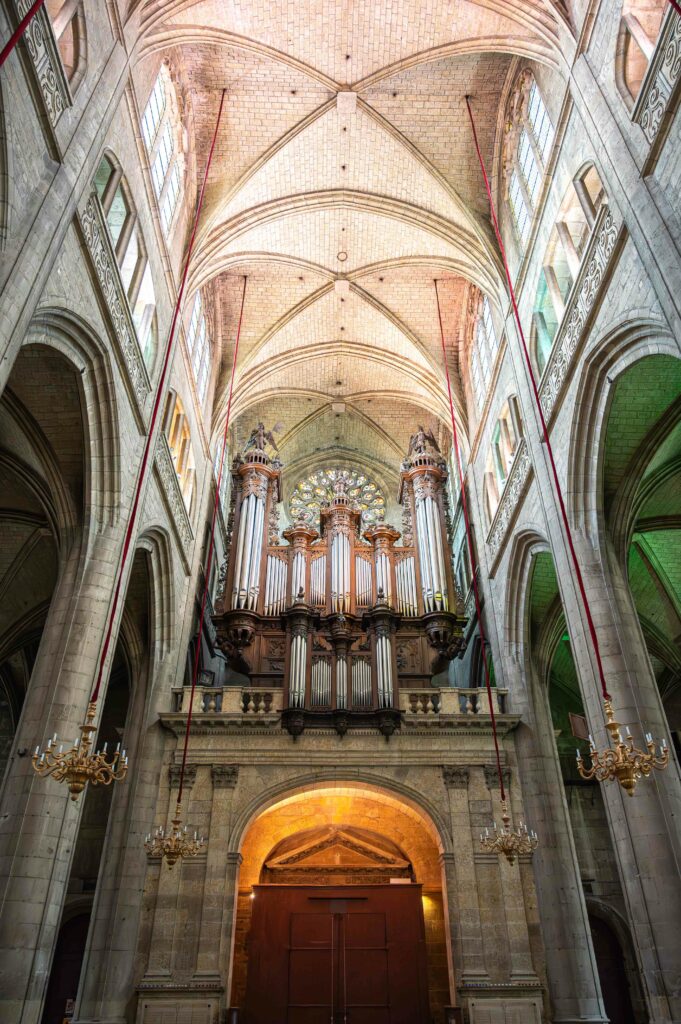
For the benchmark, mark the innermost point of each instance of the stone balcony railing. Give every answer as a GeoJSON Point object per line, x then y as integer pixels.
{"type": "Point", "coordinates": [170, 486]}
{"type": "Point", "coordinates": [129, 353]}
{"type": "Point", "coordinates": [451, 700]}
{"type": "Point", "coordinates": [661, 79]}
{"type": "Point", "coordinates": [44, 53]}
{"type": "Point", "coordinates": [511, 497]}
{"type": "Point", "coordinates": [594, 271]}
{"type": "Point", "coordinates": [249, 707]}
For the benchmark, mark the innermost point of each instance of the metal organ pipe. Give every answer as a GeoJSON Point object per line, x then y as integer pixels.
{"type": "Point", "coordinates": [298, 575]}
{"type": "Point", "coordinates": [341, 682]}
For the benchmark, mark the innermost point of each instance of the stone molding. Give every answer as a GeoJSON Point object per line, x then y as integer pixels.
{"type": "Point", "coordinates": [224, 776]}
{"type": "Point", "coordinates": [104, 262]}
{"type": "Point", "coordinates": [455, 777]}
{"type": "Point", "coordinates": [661, 79]}
{"type": "Point", "coordinates": [44, 53]}
{"type": "Point", "coordinates": [492, 778]}
{"type": "Point", "coordinates": [174, 771]}
{"type": "Point", "coordinates": [581, 302]}
{"type": "Point", "coordinates": [163, 462]}
{"type": "Point", "coordinates": [511, 496]}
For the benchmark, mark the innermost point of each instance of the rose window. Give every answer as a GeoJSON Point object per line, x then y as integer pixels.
{"type": "Point", "coordinates": [318, 489]}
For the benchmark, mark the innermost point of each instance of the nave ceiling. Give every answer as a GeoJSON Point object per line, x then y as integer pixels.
{"type": "Point", "coordinates": [345, 154]}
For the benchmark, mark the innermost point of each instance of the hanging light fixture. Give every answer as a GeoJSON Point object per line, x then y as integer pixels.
{"type": "Point", "coordinates": [176, 843]}
{"type": "Point", "coordinates": [77, 766]}
{"type": "Point", "coordinates": [622, 761]}
{"type": "Point", "coordinates": [507, 841]}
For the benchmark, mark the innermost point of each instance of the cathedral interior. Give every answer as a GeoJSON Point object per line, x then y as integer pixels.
{"type": "Point", "coordinates": [340, 512]}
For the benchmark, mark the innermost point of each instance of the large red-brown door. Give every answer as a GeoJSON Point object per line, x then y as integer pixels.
{"type": "Point", "coordinates": [337, 955]}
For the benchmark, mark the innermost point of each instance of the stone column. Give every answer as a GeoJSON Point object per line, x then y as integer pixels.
{"type": "Point", "coordinates": [450, 889]}
{"type": "Point", "coordinates": [521, 967]}
{"type": "Point", "coordinates": [38, 821]}
{"type": "Point", "coordinates": [472, 952]}
{"type": "Point", "coordinates": [210, 964]}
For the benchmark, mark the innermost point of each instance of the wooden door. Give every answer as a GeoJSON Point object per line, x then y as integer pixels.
{"type": "Point", "coordinates": [337, 955]}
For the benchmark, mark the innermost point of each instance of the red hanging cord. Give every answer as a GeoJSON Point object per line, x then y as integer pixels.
{"type": "Point", "coordinates": [471, 552]}
{"type": "Point", "coordinates": [211, 544]}
{"type": "Point", "coordinates": [19, 30]}
{"type": "Point", "coordinates": [545, 432]}
{"type": "Point", "coordinates": [157, 403]}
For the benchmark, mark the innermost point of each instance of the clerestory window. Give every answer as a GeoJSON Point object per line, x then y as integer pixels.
{"type": "Point", "coordinates": [200, 348]}
{"type": "Point", "coordinates": [483, 354]}
{"type": "Point", "coordinates": [131, 255]}
{"type": "Point", "coordinates": [161, 131]}
{"type": "Point", "coordinates": [529, 138]}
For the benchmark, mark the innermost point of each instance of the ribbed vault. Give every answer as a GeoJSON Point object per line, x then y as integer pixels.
{"type": "Point", "coordinates": [344, 182]}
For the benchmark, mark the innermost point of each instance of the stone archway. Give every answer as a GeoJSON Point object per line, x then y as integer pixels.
{"type": "Point", "coordinates": [344, 836]}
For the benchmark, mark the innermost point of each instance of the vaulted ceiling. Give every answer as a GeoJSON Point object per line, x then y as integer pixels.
{"type": "Point", "coordinates": [345, 154]}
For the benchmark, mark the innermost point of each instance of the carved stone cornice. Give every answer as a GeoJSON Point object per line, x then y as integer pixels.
{"type": "Point", "coordinates": [224, 776]}
{"type": "Point", "coordinates": [174, 771]}
{"type": "Point", "coordinates": [455, 777]}
{"type": "Point", "coordinates": [44, 53]}
{"type": "Point", "coordinates": [170, 486]}
{"type": "Point", "coordinates": [492, 777]}
{"type": "Point", "coordinates": [103, 259]}
{"type": "Point", "coordinates": [661, 80]}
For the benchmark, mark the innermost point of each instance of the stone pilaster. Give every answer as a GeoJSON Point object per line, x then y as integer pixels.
{"type": "Point", "coordinates": [473, 967]}
{"type": "Point", "coordinates": [210, 963]}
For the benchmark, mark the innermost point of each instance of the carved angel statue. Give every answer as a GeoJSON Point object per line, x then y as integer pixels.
{"type": "Point", "coordinates": [261, 437]}
{"type": "Point", "coordinates": [421, 441]}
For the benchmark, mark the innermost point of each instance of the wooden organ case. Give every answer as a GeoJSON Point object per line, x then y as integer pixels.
{"type": "Point", "coordinates": [339, 619]}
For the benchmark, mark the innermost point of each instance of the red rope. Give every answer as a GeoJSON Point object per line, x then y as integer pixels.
{"type": "Point", "coordinates": [19, 30]}
{"type": "Point", "coordinates": [209, 559]}
{"type": "Point", "coordinates": [157, 402]}
{"type": "Point", "coordinates": [676, 5]}
{"type": "Point", "coordinates": [471, 552]}
{"type": "Point", "coordinates": [545, 432]}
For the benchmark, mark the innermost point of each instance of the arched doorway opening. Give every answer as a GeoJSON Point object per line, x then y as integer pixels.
{"type": "Point", "coordinates": [613, 971]}
{"type": "Point", "coordinates": [641, 480]}
{"type": "Point", "coordinates": [346, 874]}
{"type": "Point", "coordinates": [553, 660]}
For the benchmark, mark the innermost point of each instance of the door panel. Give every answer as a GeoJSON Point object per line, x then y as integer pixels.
{"type": "Point", "coordinates": [351, 955]}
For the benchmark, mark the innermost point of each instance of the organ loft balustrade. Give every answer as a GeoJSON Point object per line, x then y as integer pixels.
{"type": "Point", "coordinates": [340, 626]}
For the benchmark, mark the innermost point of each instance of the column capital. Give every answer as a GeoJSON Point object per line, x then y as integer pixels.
{"type": "Point", "coordinates": [224, 776]}
{"type": "Point", "coordinates": [492, 778]}
{"type": "Point", "coordinates": [174, 771]}
{"type": "Point", "coordinates": [455, 776]}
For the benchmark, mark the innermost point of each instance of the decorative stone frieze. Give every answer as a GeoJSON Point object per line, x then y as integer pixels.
{"type": "Point", "coordinates": [586, 290]}
{"type": "Point", "coordinates": [492, 777]}
{"type": "Point", "coordinates": [106, 268]}
{"type": "Point", "coordinates": [174, 771]}
{"type": "Point", "coordinates": [44, 53]}
{"type": "Point", "coordinates": [171, 490]}
{"type": "Point", "coordinates": [661, 79]}
{"type": "Point", "coordinates": [455, 777]}
{"type": "Point", "coordinates": [509, 502]}
{"type": "Point", "coordinates": [224, 776]}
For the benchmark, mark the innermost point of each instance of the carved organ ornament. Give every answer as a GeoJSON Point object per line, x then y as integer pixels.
{"type": "Point", "coordinates": [329, 613]}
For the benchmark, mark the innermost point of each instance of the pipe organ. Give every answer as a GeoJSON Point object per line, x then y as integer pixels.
{"type": "Point", "coordinates": [339, 617]}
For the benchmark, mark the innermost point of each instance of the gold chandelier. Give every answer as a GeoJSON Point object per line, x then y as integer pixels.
{"type": "Point", "coordinates": [622, 761]}
{"type": "Point", "coordinates": [175, 844]}
{"type": "Point", "coordinates": [507, 841]}
{"type": "Point", "coordinates": [77, 766]}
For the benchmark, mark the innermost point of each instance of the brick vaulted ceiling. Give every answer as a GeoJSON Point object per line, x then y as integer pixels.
{"type": "Point", "coordinates": [300, 178]}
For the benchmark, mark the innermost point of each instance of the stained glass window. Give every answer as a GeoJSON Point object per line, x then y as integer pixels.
{"type": "Point", "coordinates": [361, 491]}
